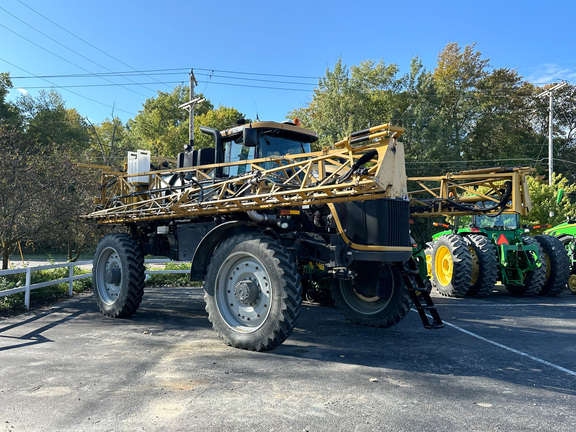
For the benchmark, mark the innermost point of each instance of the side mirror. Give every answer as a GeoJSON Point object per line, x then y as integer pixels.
{"type": "Point", "coordinates": [560, 196]}
{"type": "Point", "coordinates": [250, 137]}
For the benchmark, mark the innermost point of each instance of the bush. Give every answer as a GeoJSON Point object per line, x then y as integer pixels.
{"type": "Point", "coordinates": [167, 279]}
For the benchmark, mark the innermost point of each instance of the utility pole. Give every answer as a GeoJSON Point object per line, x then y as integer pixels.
{"type": "Point", "coordinates": [189, 106]}
{"type": "Point", "coordinates": [550, 127]}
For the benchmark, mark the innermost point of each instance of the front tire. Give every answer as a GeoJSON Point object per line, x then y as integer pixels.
{"type": "Point", "coordinates": [385, 309]}
{"type": "Point", "coordinates": [118, 275]}
{"type": "Point", "coordinates": [252, 292]}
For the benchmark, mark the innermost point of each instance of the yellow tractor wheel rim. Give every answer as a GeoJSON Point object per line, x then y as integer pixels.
{"type": "Point", "coordinates": [429, 265]}
{"type": "Point", "coordinates": [475, 265]}
{"type": "Point", "coordinates": [572, 283]}
{"type": "Point", "coordinates": [443, 265]}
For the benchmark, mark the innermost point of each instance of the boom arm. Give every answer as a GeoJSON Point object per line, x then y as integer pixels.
{"type": "Point", "coordinates": [485, 191]}
{"type": "Point", "coordinates": [332, 175]}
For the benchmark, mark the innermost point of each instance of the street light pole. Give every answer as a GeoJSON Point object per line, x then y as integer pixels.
{"type": "Point", "coordinates": [549, 93]}
{"type": "Point", "coordinates": [190, 107]}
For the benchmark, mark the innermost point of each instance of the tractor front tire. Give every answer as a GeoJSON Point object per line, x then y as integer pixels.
{"type": "Point", "coordinates": [557, 263]}
{"type": "Point", "coordinates": [484, 265]}
{"type": "Point", "coordinates": [252, 292]}
{"type": "Point", "coordinates": [451, 266]}
{"type": "Point", "coordinates": [118, 275]}
{"type": "Point", "coordinates": [387, 308]}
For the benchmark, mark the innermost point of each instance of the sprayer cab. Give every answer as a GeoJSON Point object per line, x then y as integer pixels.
{"type": "Point", "coordinates": [248, 141]}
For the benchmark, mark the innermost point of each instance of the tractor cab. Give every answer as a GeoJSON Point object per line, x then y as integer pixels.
{"type": "Point", "coordinates": [503, 222]}
{"type": "Point", "coordinates": [264, 140]}
{"type": "Point", "coordinates": [248, 141]}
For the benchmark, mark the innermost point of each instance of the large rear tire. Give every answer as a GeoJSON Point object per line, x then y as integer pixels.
{"type": "Point", "coordinates": [118, 275]}
{"type": "Point", "coordinates": [451, 266]}
{"type": "Point", "coordinates": [385, 309]}
{"type": "Point", "coordinates": [557, 263]}
{"type": "Point", "coordinates": [533, 280]}
{"type": "Point", "coordinates": [569, 243]}
{"type": "Point", "coordinates": [484, 265]}
{"type": "Point", "coordinates": [252, 292]}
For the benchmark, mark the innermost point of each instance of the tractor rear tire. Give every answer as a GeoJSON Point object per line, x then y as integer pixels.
{"type": "Point", "coordinates": [534, 280]}
{"type": "Point", "coordinates": [252, 292]}
{"type": "Point", "coordinates": [484, 265]}
{"type": "Point", "coordinates": [118, 275]}
{"type": "Point", "coordinates": [566, 239]}
{"type": "Point", "coordinates": [384, 310]}
{"type": "Point", "coordinates": [451, 266]}
{"type": "Point", "coordinates": [557, 263]}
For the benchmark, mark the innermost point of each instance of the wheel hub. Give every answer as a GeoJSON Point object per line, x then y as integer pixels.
{"type": "Point", "coordinates": [572, 283]}
{"type": "Point", "coordinates": [246, 291]}
{"type": "Point", "coordinates": [113, 276]}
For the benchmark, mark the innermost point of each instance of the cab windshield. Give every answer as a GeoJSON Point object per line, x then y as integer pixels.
{"type": "Point", "coordinates": [503, 221]}
{"type": "Point", "coordinates": [268, 146]}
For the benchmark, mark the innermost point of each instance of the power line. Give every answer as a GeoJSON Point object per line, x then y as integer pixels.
{"type": "Point", "coordinates": [70, 91]}
{"type": "Point", "coordinates": [77, 37]}
{"type": "Point", "coordinates": [210, 76]}
{"type": "Point", "coordinates": [179, 71]}
{"type": "Point", "coordinates": [60, 57]}
{"type": "Point", "coordinates": [68, 48]}
{"type": "Point", "coordinates": [169, 82]}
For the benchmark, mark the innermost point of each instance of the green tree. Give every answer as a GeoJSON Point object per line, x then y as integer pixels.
{"type": "Point", "coordinates": [48, 123]}
{"type": "Point", "coordinates": [502, 130]}
{"type": "Point", "coordinates": [110, 142]}
{"type": "Point", "coordinates": [352, 99]}
{"type": "Point", "coordinates": [545, 209]}
{"type": "Point", "coordinates": [41, 191]}
{"type": "Point", "coordinates": [423, 135]}
{"type": "Point", "coordinates": [161, 126]}
{"type": "Point", "coordinates": [456, 78]}
{"type": "Point", "coordinates": [9, 113]}
{"type": "Point", "coordinates": [219, 119]}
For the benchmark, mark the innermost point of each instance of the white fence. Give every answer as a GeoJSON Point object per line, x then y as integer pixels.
{"type": "Point", "coordinates": [28, 286]}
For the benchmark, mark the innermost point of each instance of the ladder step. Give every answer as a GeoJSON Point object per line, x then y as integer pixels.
{"type": "Point", "coordinates": [422, 290]}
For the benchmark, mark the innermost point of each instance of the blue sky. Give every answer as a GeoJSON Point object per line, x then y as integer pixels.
{"type": "Point", "coordinates": [266, 56]}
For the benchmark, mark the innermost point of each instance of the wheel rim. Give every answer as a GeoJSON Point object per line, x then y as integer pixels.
{"type": "Point", "coordinates": [444, 267]}
{"type": "Point", "coordinates": [369, 304]}
{"type": "Point", "coordinates": [429, 264]}
{"type": "Point", "coordinates": [548, 266]}
{"type": "Point", "coordinates": [572, 283]}
{"type": "Point", "coordinates": [243, 292]}
{"type": "Point", "coordinates": [109, 275]}
{"type": "Point", "coordinates": [475, 266]}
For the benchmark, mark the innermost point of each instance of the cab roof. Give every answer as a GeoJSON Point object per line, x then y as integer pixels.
{"type": "Point", "coordinates": [287, 130]}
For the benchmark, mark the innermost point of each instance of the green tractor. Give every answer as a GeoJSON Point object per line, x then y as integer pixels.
{"type": "Point", "coordinates": [480, 250]}
{"type": "Point", "coordinates": [566, 233]}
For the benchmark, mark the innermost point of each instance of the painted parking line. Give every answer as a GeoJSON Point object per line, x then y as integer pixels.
{"type": "Point", "coordinates": [496, 305]}
{"type": "Point", "coordinates": [515, 351]}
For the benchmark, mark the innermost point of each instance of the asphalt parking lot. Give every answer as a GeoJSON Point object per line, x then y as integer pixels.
{"type": "Point", "coordinates": [500, 364]}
